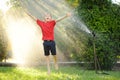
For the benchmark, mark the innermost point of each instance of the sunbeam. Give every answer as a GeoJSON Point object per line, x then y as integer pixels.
{"type": "Point", "coordinates": [4, 5]}
{"type": "Point", "coordinates": [25, 35]}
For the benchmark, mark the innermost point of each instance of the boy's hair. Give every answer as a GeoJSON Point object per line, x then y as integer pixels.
{"type": "Point", "coordinates": [47, 13]}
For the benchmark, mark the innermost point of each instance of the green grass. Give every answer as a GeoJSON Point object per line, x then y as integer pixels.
{"type": "Point", "coordinates": [64, 73]}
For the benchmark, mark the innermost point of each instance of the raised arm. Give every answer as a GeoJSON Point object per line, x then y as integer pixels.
{"type": "Point", "coordinates": [34, 18]}
{"type": "Point", "coordinates": [67, 15]}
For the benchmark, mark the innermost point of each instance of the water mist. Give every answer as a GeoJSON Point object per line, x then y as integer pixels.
{"type": "Point", "coordinates": [25, 35]}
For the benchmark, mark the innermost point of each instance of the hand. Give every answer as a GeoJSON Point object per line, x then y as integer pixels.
{"type": "Point", "coordinates": [68, 14]}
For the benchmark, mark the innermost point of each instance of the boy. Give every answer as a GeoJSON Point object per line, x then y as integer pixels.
{"type": "Point", "coordinates": [47, 28]}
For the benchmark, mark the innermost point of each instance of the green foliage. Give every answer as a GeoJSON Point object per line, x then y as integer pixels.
{"type": "Point", "coordinates": [2, 48]}
{"type": "Point", "coordinates": [103, 18]}
{"type": "Point", "coordinates": [3, 42]}
{"type": "Point", "coordinates": [15, 3]}
{"type": "Point", "coordinates": [106, 52]}
{"type": "Point", "coordinates": [2, 52]}
{"type": "Point", "coordinates": [73, 3]}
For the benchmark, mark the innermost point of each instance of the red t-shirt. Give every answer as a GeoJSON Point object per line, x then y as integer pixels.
{"type": "Point", "coordinates": [47, 29]}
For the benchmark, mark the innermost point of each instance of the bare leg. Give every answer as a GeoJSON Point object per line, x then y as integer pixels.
{"type": "Point", "coordinates": [55, 62]}
{"type": "Point", "coordinates": [48, 64]}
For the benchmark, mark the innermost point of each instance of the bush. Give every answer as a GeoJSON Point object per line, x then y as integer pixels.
{"type": "Point", "coordinates": [103, 18]}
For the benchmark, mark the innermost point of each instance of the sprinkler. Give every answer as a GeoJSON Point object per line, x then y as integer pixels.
{"type": "Point", "coordinates": [96, 61]}
{"type": "Point", "coordinates": [97, 65]}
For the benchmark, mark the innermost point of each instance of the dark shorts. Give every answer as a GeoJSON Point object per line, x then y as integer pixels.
{"type": "Point", "coordinates": [49, 46]}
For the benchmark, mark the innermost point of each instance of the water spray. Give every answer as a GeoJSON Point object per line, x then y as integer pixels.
{"type": "Point", "coordinates": [75, 18]}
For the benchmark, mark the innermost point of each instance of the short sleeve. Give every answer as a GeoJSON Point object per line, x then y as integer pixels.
{"type": "Point", "coordinates": [54, 22]}
{"type": "Point", "coordinates": [39, 22]}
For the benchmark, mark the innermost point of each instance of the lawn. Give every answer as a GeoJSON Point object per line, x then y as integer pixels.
{"type": "Point", "coordinates": [64, 73]}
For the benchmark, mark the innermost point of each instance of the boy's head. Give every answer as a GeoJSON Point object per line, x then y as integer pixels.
{"type": "Point", "coordinates": [47, 17]}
